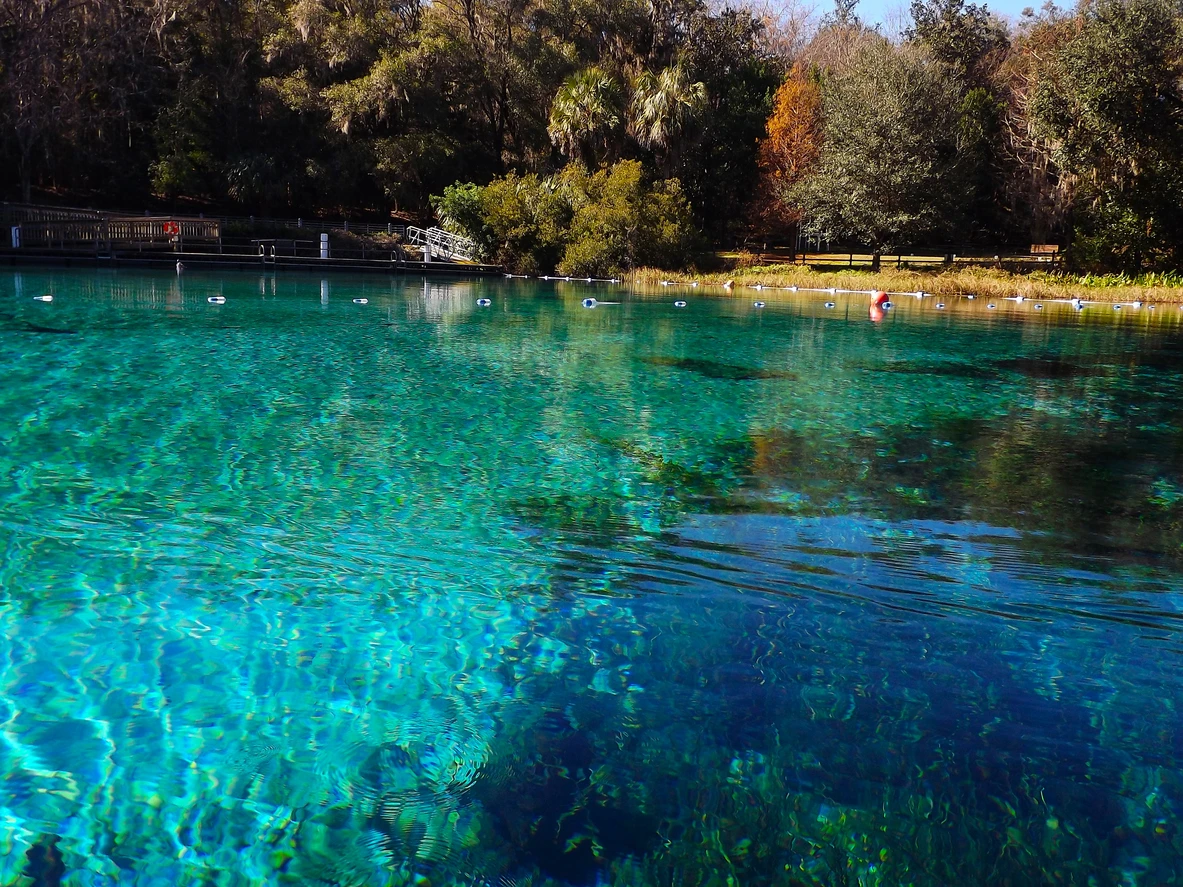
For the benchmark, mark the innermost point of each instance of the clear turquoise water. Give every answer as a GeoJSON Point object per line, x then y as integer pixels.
{"type": "Point", "coordinates": [295, 590]}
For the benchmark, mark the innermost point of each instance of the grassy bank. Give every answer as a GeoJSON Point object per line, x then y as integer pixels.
{"type": "Point", "coordinates": [984, 282]}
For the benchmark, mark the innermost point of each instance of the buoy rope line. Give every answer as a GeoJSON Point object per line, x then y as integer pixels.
{"type": "Point", "coordinates": [918, 294]}
{"type": "Point", "coordinates": [574, 279]}
{"type": "Point", "coordinates": [879, 298]}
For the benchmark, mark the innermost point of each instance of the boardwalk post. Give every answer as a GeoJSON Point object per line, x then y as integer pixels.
{"type": "Point", "coordinates": [324, 246]}
{"type": "Point", "coordinates": [16, 236]}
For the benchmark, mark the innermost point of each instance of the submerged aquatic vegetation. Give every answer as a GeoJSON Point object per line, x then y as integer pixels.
{"type": "Point", "coordinates": [713, 369]}
{"type": "Point", "coordinates": [484, 598]}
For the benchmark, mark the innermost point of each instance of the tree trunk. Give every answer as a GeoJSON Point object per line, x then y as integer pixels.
{"type": "Point", "coordinates": [876, 258]}
{"type": "Point", "coordinates": [26, 172]}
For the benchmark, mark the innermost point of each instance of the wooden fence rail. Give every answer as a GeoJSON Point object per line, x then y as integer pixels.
{"type": "Point", "coordinates": [138, 232]}
{"type": "Point", "coordinates": [20, 213]}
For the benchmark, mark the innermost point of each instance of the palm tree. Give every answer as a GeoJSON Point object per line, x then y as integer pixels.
{"type": "Point", "coordinates": [664, 106]}
{"type": "Point", "coordinates": [584, 114]}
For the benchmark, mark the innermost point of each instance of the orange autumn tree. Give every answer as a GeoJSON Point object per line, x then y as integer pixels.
{"type": "Point", "coordinates": [788, 151]}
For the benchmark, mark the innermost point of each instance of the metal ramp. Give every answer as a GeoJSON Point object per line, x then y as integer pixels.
{"type": "Point", "coordinates": [442, 244]}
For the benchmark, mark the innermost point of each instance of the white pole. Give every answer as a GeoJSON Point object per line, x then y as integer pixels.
{"type": "Point", "coordinates": [324, 246]}
{"type": "Point", "coordinates": [16, 236]}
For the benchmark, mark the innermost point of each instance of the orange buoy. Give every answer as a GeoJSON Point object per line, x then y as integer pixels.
{"type": "Point", "coordinates": [877, 314]}
{"type": "Point", "coordinates": [878, 297]}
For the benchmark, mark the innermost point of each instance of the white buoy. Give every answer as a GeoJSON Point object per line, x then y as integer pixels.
{"type": "Point", "coordinates": [45, 298]}
{"type": "Point", "coordinates": [829, 304]}
{"type": "Point", "coordinates": [1116, 307]}
{"type": "Point", "coordinates": [679, 304]}
{"type": "Point", "coordinates": [940, 306]}
{"type": "Point", "coordinates": [970, 296]}
{"type": "Point", "coordinates": [1038, 307]}
{"type": "Point", "coordinates": [758, 304]}
{"type": "Point", "coordinates": [887, 306]}
{"type": "Point", "coordinates": [1136, 304]}
{"type": "Point", "coordinates": [695, 283]}
{"type": "Point", "coordinates": [991, 306]}
{"type": "Point", "coordinates": [217, 300]}
{"type": "Point", "coordinates": [588, 303]}
{"type": "Point", "coordinates": [665, 283]}
{"type": "Point", "coordinates": [792, 289]}
{"type": "Point", "coordinates": [361, 301]}
{"type": "Point", "coordinates": [484, 303]}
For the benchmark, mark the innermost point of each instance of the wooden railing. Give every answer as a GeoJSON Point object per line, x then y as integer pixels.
{"type": "Point", "coordinates": [138, 232]}
{"type": "Point", "coordinates": [20, 213]}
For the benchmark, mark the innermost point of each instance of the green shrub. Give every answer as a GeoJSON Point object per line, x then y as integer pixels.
{"type": "Point", "coordinates": [582, 224]}
{"type": "Point", "coordinates": [459, 210]}
{"type": "Point", "coordinates": [1112, 237]}
{"type": "Point", "coordinates": [528, 218]}
{"type": "Point", "coordinates": [622, 221]}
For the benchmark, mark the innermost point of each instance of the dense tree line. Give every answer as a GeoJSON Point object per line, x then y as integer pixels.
{"type": "Point", "coordinates": [1064, 126]}
{"type": "Point", "coordinates": [373, 104]}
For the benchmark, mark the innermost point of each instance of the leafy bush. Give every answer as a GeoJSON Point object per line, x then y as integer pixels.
{"type": "Point", "coordinates": [621, 221]}
{"type": "Point", "coordinates": [1112, 237]}
{"type": "Point", "coordinates": [579, 223]}
{"type": "Point", "coordinates": [516, 221]}
{"type": "Point", "coordinates": [459, 209]}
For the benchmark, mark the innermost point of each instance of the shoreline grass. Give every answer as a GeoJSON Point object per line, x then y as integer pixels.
{"type": "Point", "coordinates": [986, 282]}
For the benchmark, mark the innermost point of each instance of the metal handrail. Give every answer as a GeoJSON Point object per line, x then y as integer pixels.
{"type": "Point", "coordinates": [442, 243]}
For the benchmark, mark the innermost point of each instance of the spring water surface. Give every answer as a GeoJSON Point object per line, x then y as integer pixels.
{"type": "Point", "coordinates": [301, 590]}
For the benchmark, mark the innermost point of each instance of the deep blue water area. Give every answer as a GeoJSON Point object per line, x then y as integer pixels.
{"type": "Point", "coordinates": [357, 582]}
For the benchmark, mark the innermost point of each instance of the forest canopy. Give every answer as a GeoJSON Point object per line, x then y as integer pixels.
{"type": "Point", "coordinates": [707, 123]}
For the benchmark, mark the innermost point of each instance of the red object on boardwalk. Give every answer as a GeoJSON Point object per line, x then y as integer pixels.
{"type": "Point", "coordinates": [172, 229]}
